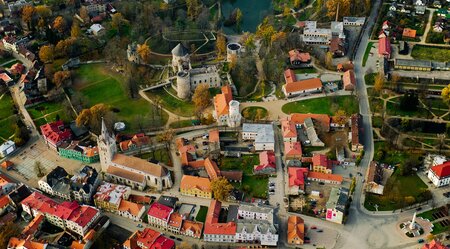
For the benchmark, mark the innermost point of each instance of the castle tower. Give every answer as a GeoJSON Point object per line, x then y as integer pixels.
{"type": "Point", "coordinates": [107, 147]}
{"type": "Point", "coordinates": [180, 58]}
{"type": "Point", "coordinates": [234, 115]}
{"type": "Point", "coordinates": [183, 84]}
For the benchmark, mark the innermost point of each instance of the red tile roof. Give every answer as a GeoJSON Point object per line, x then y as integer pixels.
{"type": "Point", "coordinates": [150, 239]}
{"type": "Point", "coordinates": [299, 118]}
{"type": "Point", "coordinates": [222, 100]}
{"type": "Point", "coordinates": [434, 245]}
{"type": "Point", "coordinates": [55, 132]}
{"type": "Point", "coordinates": [442, 170]}
{"type": "Point", "coordinates": [349, 80]}
{"type": "Point", "coordinates": [289, 76]}
{"type": "Point", "coordinates": [303, 85]}
{"type": "Point", "coordinates": [4, 201]}
{"type": "Point", "coordinates": [322, 160]}
{"type": "Point", "coordinates": [296, 228]}
{"type": "Point", "coordinates": [324, 176]}
{"type": "Point", "coordinates": [194, 182]}
{"type": "Point", "coordinates": [288, 129]}
{"type": "Point", "coordinates": [195, 227]}
{"type": "Point", "coordinates": [160, 211]}
{"type": "Point", "coordinates": [297, 176]}
{"type": "Point", "coordinates": [410, 33]}
{"type": "Point", "coordinates": [384, 46]}
{"type": "Point", "coordinates": [213, 212]}
{"type": "Point", "coordinates": [295, 55]}
{"type": "Point", "coordinates": [293, 149]}
{"type": "Point", "coordinates": [214, 136]}
{"type": "Point", "coordinates": [266, 160]}
{"type": "Point", "coordinates": [212, 169]}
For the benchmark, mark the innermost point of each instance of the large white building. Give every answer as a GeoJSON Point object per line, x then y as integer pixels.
{"type": "Point", "coordinates": [250, 211]}
{"type": "Point", "coordinates": [7, 148]}
{"type": "Point", "coordinates": [262, 134]}
{"type": "Point", "coordinates": [336, 205]}
{"type": "Point", "coordinates": [314, 35]}
{"type": "Point", "coordinates": [128, 170]}
{"type": "Point", "coordinates": [226, 110]}
{"type": "Point", "coordinates": [249, 231]}
{"type": "Point", "coordinates": [440, 174]}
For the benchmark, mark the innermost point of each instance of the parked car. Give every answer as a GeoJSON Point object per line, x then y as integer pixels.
{"type": "Point", "coordinates": [321, 183]}
{"type": "Point", "coordinates": [313, 227]}
{"type": "Point", "coordinates": [419, 208]}
{"type": "Point", "coordinates": [320, 231]}
{"type": "Point", "coordinates": [420, 241]}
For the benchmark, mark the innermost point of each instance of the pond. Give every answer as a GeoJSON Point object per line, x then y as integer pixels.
{"type": "Point", "coordinates": [253, 12]}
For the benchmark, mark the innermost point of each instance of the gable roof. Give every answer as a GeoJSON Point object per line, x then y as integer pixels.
{"type": "Point", "coordinates": [411, 33]}
{"type": "Point", "coordinates": [297, 176]}
{"type": "Point", "coordinates": [434, 244]}
{"type": "Point", "coordinates": [326, 177]}
{"type": "Point", "coordinates": [266, 160]}
{"type": "Point", "coordinates": [179, 50]}
{"type": "Point", "coordinates": [159, 211]}
{"type": "Point", "coordinates": [384, 46]}
{"type": "Point", "coordinates": [222, 100]}
{"type": "Point", "coordinates": [288, 128]}
{"type": "Point", "coordinates": [296, 228]}
{"type": "Point", "coordinates": [140, 165]}
{"type": "Point", "coordinates": [212, 169]}
{"type": "Point", "coordinates": [200, 183]}
{"type": "Point", "coordinates": [299, 118]}
{"type": "Point", "coordinates": [303, 85]}
{"type": "Point", "coordinates": [321, 160]}
{"type": "Point", "coordinates": [130, 207]}
{"type": "Point", "coordinates": [349, 78]}
{"type": "Point", "coordinates": [442, 170]}
{"type": "Point", "coordinates": [293, 149]}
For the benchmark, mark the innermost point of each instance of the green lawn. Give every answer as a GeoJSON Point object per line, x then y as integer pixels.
{"type": "Point", "coordinates": [5, 59]}
{"type": "Point", "coordinates": [42, 109]}
{"type": "Point", "coordinates": [161, 155]}
{"type": "Point", "coordinates": [6, 106]}
{"type": "Point", "coordinates": [370, 79]}
{"type": "Point", "coordinates": [391, 156]}
{"type": "Point", "coordinates": [394, 110]}
{"type": "Point", "coordinates": [174, 105]}
{"type": "Point", "coordinates": [100, 86]}
{"type": "Point", "coordinates": [397, 188]}
{"type": "Point", "coordinates": [7, 126]}
{"type": "Point", "coordinates": [377, 122]}
{"type": "Point", "coordinates": [428, 214]}
{"type": "Point", "coordinates": [244, 163]}
{"type": "Point", "coordinates": [421, 52]}
{"type": "Point", "coordinates": [366, 53]}
{"type": "Point", "coordinates": [305, 70]}
{"type": "Point", "coordinates": [255, 186]}
{"type": "Point", "coordinates": [8, 65]}
{"type": "Point", "coordinates": [324, 105]}
{"type": "Point", "coordinates": [181, 124]}
{"type": "Point", "coordinates": [438, 228]}
{"type": "Point", "coordinates": [201, 215]}
{"type": "Point", "coordinates": [260, 92]}
{"type": "Point", "coordinates": [250, 113]}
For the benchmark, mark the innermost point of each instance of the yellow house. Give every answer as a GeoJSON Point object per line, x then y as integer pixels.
{"type": "Point", "coordinates": [322, 164]}
{"type": "Point", "coordinates": [196, 186]}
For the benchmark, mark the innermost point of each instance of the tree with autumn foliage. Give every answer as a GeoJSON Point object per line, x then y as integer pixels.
{"type": "Point", "coordinates": [329, 60]}
{"type": "Point", "coordinates": [27, 14]}
{"type": "Point", "coordinates": [144, 52]}
{"type": "Point", "coordinates": [59, 78]}
{"type": "Point", "coordinates": [75, 31]}
{"type": "Point", "coordinates": [193, 8]}
{"type": "Point", "coordinates": [265, 31]}
{"type": "Point", "coordinates": [7, 231]}
{"type": "Point", "coordinates": [340, 117]}
{"type": "Point", "coordinates": [343, 5]}
{"type": "Point", "coordinates": [445, 93]}
{"type": "Point", "coordinates": [84, 14]}
{"type": "Point", "coordinates": [118, 22]}
{"type": "Point", "coordinates": [379, 82]}
{"type": "Point", "coordinates": [221, 188]}
{"type": "Point", "coordinates": [46, 53]}
{"type": "Point", "coordinates": [60, 24]}
{"type": "Point", "coordinates": [43, 11]}
{"type": "Point", "coordinates": [92, 117]}
{"type": "Point", "coordinates": [201, 97]}
{"type": "Point", "coordinates": [221, 46]}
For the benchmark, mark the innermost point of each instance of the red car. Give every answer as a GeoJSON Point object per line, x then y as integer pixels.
{"type": "Point", "coordinates": [313, 227]}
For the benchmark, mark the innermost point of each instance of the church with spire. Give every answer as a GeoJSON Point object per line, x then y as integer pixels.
{"type": "Point", "coordinates": [129, 170]}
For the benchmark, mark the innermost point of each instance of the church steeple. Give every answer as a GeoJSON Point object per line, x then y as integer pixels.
{"type": "Point", "coordinates": [107, 147]}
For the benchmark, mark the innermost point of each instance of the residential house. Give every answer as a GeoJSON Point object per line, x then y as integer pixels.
{"type": "Point", "coordinates": [293, 150]}
{"type": "Point", "coordinates": [295, 230]}
{"type": "Point", "coordinates": [128, 170]}
{"type": "Point", "coordinates": [148, 239]}
{"type": "Point", "coordinates": [434, 244]}
{"type": "Point", "coordinates": [349, 80]}
{"type": "Point", "coordinates": [431, 160]}
{"type": "Point", "coordinates": [109, 196]}
{"type": "Point", "coordinates": [375, 178]}
{"type": "Point", "coordinates": [393, 6]}
{"type": "Point", "coordinates": [322, 121]}
{"type": "Point", "coordinates": [5, 202]}
{"type": "Point", "coordinates": [438, 27]}
{"type": "Point", "coordinates": [159, 215]}
{"type": "Point", "coordinates": [252, 212]}
{"type": "Point", "coordinates": [420, 2]}
{"type": "Point", "coordinates": [192, 228]}
{"type": "Point", "coordinates": [440, 174]}
{"type": "Point", "coordinates": [337, 205]}
{"type": "Point", "coordinates": [337, 46]}
{"type": "Point", "coordinates": [226, 110]}
{"type": "Point", "coordinates": [67, 215]}
{"type": "Point", "coordinates": [420, 10]}
{"type": "Point", "coordinates": [137, 142]}
{"type": "Point", "coordinates": [262, 134]}
{"type": "Point", "coordinates": [415, 65]}
{"type": "Point", "coordinates": [409, 33]}
{"type": "Point", "coordinates": [55, 134]}
{"type": "Point", "coordinates": [7, 148]}
{"type": "Point", "coordinates": [6, 79]}
{"type": "Point", "coordinates": [311, 132]}
{"type": "Point", "coordinates": [313, 35]}
{"type": "Point", "coordinates": [298, 58]}
{"type": "Point", "coordinates": [131, 210]}
{"type": "Point", "coordinates": [7, 165]}
{"type": "Point", "coordinates": [267, 164]}
{"type": "Point", "coordinates": [76, 151]}
{"type": "Point", "coordinates": [320, 163]}
{"type": "Point", "coordinates": [384, 47]}
{"type": "Point", "coordinates": [289, 130]}
{"type": "Point", "coordinates": [297, 178]}
{"type": "Point", "coordinates": [251, 231]}
{"type": "Point", "coordinates": [175, 222]}
{"type": "Point", "coordinates": [56, 183]}
{"type": "Point", "coordinates": [84, 184]}
{"type": "Point", "coordinates": [356, 133]}
{"type": "Point", "coordinates": [97, 29]}
{"type": "Point", "coordinates": [324, 177]}
{"type": "Point", "coordinates": [6, 185]}
{"type": "Point", "coordinates": [215, 231]}
{"type": "Point", "coordinates": [301, 87]}
{"type": "Point", "coordinates": [196, 186]}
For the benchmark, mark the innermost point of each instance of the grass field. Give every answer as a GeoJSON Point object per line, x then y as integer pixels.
{"type": "Point", "coordinates": [244, 163]}
{"type": "Point", "coordinates": [428, 214]}
{"type": "Point", "coordinates": [100, 86]}
{"type": "Point", "coordinates": [250, 113]}
{"type": "Point", "coordinates": [254, 186]}
{"type": "Point", "coordinates": [181, 124]}
{"type": "Point", "coordinates": [7, 126]}
{"type": "Point", "coordinates": [305, 70]}
{"type": "Point", "coordinates": [6, 106]}
{"type": "Point", "coordinates": [438, 228]}
{"type": "Point", "coordinates": [201, 215]}
{"type": "Point", "coordinates": [366, 53]}
{"type": "Point", "coordinates": [161, 155]}
{"type": "Point", "coordinates": [420, 52]}
{"type": "Point", "coordinates": [323, 105]}
{"type": "Point", "coordinates": [40, 110]}
{"type": "Point", "coordinates": [397, 187]}
{"type": "Point", "coordinates": [174, 105]}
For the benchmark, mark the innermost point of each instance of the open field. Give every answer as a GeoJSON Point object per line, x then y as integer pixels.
{"type": "Point", "coordinates": [324, 105]}
{"type": "Point", "coordinates": [421, 52]}
{"type": "Point", "coordinates": [244, 163]}
{"type": "Point", "coordinates": [100, 86]}
{"type": "Point", "coordinates": [6, 106]}
{"type": "Point", "coordinates": [201, 215]}
{"type": "Point", "coordinates": [172, 104]}
{"type": "Point", "coordinates": [7, 126]}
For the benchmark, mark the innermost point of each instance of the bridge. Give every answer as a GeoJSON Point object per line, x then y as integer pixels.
{"type": "Point", "coordinates": [162, 83]}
